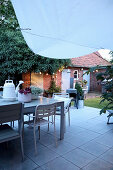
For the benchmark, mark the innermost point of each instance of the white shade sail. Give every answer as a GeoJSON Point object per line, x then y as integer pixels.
{"type": "Point", "coordinates": [65, 28]}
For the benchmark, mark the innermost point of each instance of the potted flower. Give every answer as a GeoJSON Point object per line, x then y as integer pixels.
{"type": "Point", "coordinates": [80, 95]}
{"type": "Point", "coordinates": [35, 92]}
{"type": "Point", "coordinates": [24, 95]}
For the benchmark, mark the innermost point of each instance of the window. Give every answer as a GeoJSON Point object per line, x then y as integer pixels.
{"type": "Point", "coordinates": [76, 74]}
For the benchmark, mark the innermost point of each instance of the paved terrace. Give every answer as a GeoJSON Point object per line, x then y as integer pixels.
{"type": "Point", "coordinates": [88, 145]}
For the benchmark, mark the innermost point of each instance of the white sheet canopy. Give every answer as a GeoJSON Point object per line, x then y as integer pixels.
{"type": "Point", "coordinates": [65, 28]}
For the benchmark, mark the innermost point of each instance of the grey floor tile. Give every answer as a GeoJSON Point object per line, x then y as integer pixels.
{"type": "Point", "coordinates": [82, 138]}
{"type": "Point", "coordinates": [99, 164]}
{"type": "Point", "coordinates": [76, 140]}
{"type": "Point", "coordinates": [44, 155]}
{"type": "Point", "coordinates": [62, 147]}
{"type": "Point", "coordinates": [11, 158]}
{"type": "Point", "coordinates": [39, 168]}
{"type": "Point", "coordinates": [108, 156]}
{"type": "Point", "coordinates": [101, 127]}
{"type": "Point", "coordinates": [79, 157]}
{"type": "Point", "coordinates": [59, 163]}
{"type": "Point", "coordinates": [74, 129]}
{"type": "Point", "coordinates": [105, 139]}
{"type": "Point", "coordinates": [47, 139]}
{"type": "Point", "coordinates": [94, 148]}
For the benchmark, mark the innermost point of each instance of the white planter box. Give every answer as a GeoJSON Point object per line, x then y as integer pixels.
{"type": "Point", "coordinates": [80, 104]}
{"type": "Point", "coordinates": [24, 97]}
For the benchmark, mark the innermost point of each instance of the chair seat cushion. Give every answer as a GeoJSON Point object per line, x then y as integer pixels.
{"type": "Point", "coordinates": [7, 133]}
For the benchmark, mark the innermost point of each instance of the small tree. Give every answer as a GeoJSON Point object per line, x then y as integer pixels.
{"type": "Point", "coordinates": [53, 88]}
{"type": "Point", "coordinates": [80, 92]}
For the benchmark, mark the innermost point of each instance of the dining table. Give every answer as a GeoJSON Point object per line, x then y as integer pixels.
{"type": "Point", "coordinates": [30, 108]}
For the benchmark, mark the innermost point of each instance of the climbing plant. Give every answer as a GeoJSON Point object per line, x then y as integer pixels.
{"type": "Point", "coordinates": [15, 56]}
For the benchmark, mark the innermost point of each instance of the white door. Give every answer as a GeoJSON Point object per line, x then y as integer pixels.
{"type": "Point", "coordinates": [37, 80]}
{"type": "Point", "coordinates": [87, 78]}
{"type": "Point", "coordinates": [65, 80]}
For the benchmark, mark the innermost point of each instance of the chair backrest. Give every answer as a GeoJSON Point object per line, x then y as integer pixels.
{"type": "Point", "coordinates": [65, 95]}
{"type": "Point", "coordinates": [42, 111]}
{"type": "Point", "coordinates": [10, 113]}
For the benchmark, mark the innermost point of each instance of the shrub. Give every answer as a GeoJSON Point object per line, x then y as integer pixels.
{"type": "Point", "coordinates": [80, 92]}
{"type": "Point", "coordinates": [36, 90]}
{"type": "Point", "coordinates": [53, 88]}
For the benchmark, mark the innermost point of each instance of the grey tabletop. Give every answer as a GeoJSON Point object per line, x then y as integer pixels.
{"type": "Point", "coordinates": [39, 101]}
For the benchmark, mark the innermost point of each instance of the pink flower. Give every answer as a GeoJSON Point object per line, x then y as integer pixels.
{"type": "Point", "coordinates": [25, 91]}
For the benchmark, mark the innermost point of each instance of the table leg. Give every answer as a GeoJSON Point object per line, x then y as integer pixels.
{"type": "Point", "coordinates": [62, 121]}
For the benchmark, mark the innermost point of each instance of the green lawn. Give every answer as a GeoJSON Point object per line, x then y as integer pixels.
{"type": "Point", "coordinates": [94, 102]}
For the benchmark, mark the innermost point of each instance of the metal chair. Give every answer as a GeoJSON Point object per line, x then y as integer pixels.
{"type": "Point", "coordinates": [10, 113]}
{"type": "Point", "coordinates": [67, 103]}
{"type": "Point", "coordinates": [42, 116]}
{"type": "Point", "coordinates": [110, 113]}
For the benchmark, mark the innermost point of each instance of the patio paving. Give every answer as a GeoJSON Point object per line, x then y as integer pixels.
{"type": "Point", "coordinates": [87, 145]}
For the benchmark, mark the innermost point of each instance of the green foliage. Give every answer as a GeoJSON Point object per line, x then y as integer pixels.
{"type": "Point", "coordinates": [53, 88]}
{"type": "Point", "coordinates": [15, 56]}
{"type": "Point", "coordinates": [107, 76]}
{"type": "Point", "coordinates": [7, 16]}
{"type": "Point", "coordinates": [80, 92]}
{"type": "Point", "coordinates": [83, 82]}
{"type": "Point", "coordinates": [36, 90]}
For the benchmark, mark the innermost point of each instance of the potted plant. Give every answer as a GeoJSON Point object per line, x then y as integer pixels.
{"type": "Point", "coordinates": [35, 92]}
{"type": "Point", "coordinates": [80, 95]}
{"type": "Point", "coordinates": [24, 95]}
{"type": "Point", "coordinates": [53, 89]}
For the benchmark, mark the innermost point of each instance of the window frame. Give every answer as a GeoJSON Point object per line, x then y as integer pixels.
{"type": "Point", "coordinates": [77, 75]}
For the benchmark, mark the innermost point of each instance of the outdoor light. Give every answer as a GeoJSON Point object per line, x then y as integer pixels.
{"type": "Point", "coordinates": [40, 73]}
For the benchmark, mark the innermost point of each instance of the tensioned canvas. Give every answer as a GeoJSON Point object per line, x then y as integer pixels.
{"type": "Point", "coordinates": [65, 28]}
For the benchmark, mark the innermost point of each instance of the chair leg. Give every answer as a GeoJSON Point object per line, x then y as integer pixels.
{"type": "Point", "coordinates": [48, 123]}
{"type": "Point", "coordinates": [64, 122]}
{"type": "Point", "coordinates": [39, 131]}
{"type": "Point", "coordinates": [52, 119]}
{"type": "Point", "coordinates": [69, 117]}
{"type": "Point", "coordinates": [35, 141]}
{"type": "Point", "coordinates": [22, 149]}
{"type": "Point", "coordinates": [55, 133]}
{"type": "Point", "coordinates": [108, 120]}
{"type": "Point", "coordinates": [13, 124]}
